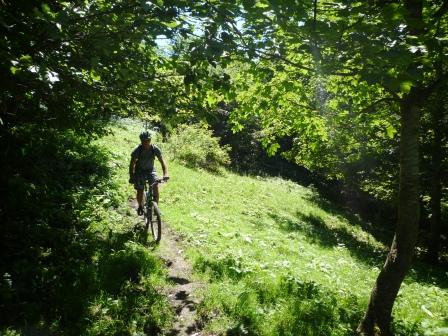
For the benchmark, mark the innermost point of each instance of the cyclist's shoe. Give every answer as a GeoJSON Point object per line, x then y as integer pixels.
{"type": "Point", "coordinates": [140, 211]}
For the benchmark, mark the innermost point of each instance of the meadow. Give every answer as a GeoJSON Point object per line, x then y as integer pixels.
{"type": "Point", "coordinates": [279, 259]}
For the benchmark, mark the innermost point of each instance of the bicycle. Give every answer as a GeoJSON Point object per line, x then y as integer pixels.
{"type": "Point", "coordinates": [151, 212]}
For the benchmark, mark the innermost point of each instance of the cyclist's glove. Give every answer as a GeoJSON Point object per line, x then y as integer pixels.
{"type": "Point", "coordinates": [166, 178]}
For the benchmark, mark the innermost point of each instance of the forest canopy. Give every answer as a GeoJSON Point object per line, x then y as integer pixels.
{"type": "Point", "coordinates": [350, 91]}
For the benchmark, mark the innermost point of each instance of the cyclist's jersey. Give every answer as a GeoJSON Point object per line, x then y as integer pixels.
{"type": "Point", "coordinates": [145, 157]}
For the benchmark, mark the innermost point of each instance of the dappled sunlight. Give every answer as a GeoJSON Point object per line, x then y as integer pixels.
{"type": "Point", "coordinates": [71, 266]}
{"type": "Point", "coordinates": [238, 227]}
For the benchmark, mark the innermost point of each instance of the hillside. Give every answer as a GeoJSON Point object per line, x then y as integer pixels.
{"type": "Point", "coordinates": [277, 258]}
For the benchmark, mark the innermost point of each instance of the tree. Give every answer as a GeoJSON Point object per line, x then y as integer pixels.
{"type": "Point", "coordinates": [399, 258]}
{"type": "Point", "coordinates": [433, 156]}
{"type": "Point", "coordinates": [395, 46]}
{"type": "Point", "coordinates": [67, 67]}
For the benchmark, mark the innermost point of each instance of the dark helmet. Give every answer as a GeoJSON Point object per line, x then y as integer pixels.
{"type": "Point", "coordinates": [145, 135]}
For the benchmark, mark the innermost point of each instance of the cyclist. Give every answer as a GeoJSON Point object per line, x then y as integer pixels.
{"type": "Point", "coordinates": [141, 168]}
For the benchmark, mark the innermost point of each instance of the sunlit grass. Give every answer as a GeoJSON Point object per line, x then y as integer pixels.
{"type": "Point", "coordinates": [249, 235]}
{"type": "Point", "coordinates": [274, 228]}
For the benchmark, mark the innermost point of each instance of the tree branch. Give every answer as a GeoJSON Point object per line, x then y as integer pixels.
{"type": "Point", "coordinates": [441, 11]}
{"type": "Point", "coordinates": [379, 101]}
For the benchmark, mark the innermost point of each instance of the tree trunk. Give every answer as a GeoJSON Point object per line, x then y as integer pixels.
{"type": "Point", "coordinates": [436, 186]}
{"type": "Point", "coordinates": [398, 261]}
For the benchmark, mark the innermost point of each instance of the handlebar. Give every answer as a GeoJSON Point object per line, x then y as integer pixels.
{"type": "Point", "coordinates": [160, 180]}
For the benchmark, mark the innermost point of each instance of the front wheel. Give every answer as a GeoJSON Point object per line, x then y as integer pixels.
{"type": "Point", "coordinates": [154, 220]}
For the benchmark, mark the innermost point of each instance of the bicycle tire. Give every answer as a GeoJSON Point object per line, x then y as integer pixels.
{"type": "Point", "coordinates": [147, 218]}
{"type": "Point", "coordinates": [156, 222]}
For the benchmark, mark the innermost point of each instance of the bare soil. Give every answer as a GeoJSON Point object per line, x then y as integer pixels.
{"type": "Point", "coordinates": [182, 293]}
{"type": "Point", "coordinates": [183, 289]}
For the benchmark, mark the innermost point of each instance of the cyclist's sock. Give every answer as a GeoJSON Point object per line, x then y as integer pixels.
{"type": "Point", "coordinates": [140, 210]}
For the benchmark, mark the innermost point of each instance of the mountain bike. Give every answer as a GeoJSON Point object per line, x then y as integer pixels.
{"type": "Point", "coordinates": [151, 212]}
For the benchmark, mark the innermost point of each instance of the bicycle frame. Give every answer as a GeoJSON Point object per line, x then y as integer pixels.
{"type": "Point", "coordinates": [151, 211]}
{"type": "Point", "coordinates": [149, 193]}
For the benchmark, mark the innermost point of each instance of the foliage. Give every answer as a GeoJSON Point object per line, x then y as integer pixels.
{"type": "Point", "coordinates": [66, 254]}
{"type": "Point", "coordinates": [195, 146]}
{"type": "Point", "coordinates": [244, 234]}
{"type": "Point", "coordinates": [94, 59]}
{"type": "Point", "coordinates": [129, 301]}
{"type": "Point", "coordinates": [328, 80]}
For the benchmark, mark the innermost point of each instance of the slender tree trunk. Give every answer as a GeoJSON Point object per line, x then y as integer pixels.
{"type": "Point", "coordinates": [379, 311]}
{"type": "Point", "coordinates": [436, 186]}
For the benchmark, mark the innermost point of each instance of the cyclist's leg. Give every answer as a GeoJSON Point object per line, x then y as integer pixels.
{"type": "Point", "coordinates": [140, 197]}
{"type": "Point", "coordinates": [155, 188]}
{"type": "Point", "coordinates": [139, 185]}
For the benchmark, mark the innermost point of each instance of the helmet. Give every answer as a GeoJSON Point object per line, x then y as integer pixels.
{"type": "Point", "coordinates": [144, 135]}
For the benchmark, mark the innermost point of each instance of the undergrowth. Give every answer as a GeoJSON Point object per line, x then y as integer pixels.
{"type": "Point", "coordinates": [194, 146]}
{"type": "Point", "coordinates": [278, 262]}
{"type": "Point", "coordinates": [72, 259]}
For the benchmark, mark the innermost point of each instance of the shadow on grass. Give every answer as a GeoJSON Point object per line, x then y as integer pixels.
{"type": "Point", "coordinates": [52, 264]}
{"type": "Point", "coordinates": [318, 232]}
{"type": "Point", "coordinates": [431, 275]}
{"type": "Point", "coordinates": [380, 228]}
{"type": "Point", "coordinates": [421, 271]}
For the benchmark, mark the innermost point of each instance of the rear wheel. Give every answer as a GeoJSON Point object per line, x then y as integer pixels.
{"type": "Point", "coordinates": [147, 217]}
{"type": "Point", "coordinates": [155, 221]}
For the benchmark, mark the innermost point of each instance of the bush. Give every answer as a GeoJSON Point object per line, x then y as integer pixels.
{"type": "Point", "coordinates": [258, 305]}
{"type": "Point", "coordinates": [71, 266]}
{"type": "Point", "coordinates": [132, 263]}
{"type": "Point", "coordinates": [137, 308]}
{"type": "Point", "coordinates": [196, 147]}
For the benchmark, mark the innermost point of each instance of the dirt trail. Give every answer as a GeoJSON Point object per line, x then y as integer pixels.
{"type": "Point", "coordinates": [182, 293]}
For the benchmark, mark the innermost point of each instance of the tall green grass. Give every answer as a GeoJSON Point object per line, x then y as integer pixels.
{"type": "Point", "coordinates": [76, 263]}
{"type": "Point", "coordinates": [276, 257]}
{"type": "Point", "coordinates": [282, 261]}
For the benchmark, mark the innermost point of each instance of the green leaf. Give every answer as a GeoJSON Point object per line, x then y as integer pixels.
{"type": "Point", "coordinates": [25, 59]}
{"type": "Point", "coordinates": [405, 86]}
{"type": "Point", "coordinates": [391, 131]}
{"type": "Point", "coordinates": [14, 70]}
{"type": "Point", "coordinates": [95, 76]}
{"type": "Point", "coordinates": [172, 24]}
{"type": "Point", "coordinates": [262, 5]}
{"type": "Point", "coordinates": [272, 149]}
{"type": "Point", "coordinates": [47, 10]}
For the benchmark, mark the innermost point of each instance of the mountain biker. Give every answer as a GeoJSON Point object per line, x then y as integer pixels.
{"type": "Point", "coordinates": [141, 168]}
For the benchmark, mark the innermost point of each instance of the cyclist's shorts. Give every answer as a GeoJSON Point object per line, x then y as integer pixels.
{"type": "Point", "coordinates": [141, 177]}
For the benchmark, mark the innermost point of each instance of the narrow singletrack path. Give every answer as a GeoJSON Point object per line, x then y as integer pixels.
{"type": "Point", "coordinates": [181, 294]}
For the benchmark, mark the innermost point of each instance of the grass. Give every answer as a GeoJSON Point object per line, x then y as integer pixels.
{"type": "Point", "coordinates": [276, 261]}
{"type": "Point", "coordinates": [279, 263]}
{"type": "Point", "coordinates": [76, 262]}
{"type": "Point", "coordinates": [248, 235]}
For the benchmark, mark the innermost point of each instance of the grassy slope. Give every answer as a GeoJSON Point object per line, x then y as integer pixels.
{"type": "Point", "coordinates": [243, 232]}
{"type": "Point", "coordinates": [76, 263]}
{"type": "Point", "coordinates": [276, 227]}
{"type": "Point", "coordinates": [129, 300]}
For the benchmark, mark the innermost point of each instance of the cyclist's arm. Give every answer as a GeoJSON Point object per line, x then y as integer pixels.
{"type": "Point", "coordinates": [164, 166]}
{"type": "Point", "coordinates": [132, 166]}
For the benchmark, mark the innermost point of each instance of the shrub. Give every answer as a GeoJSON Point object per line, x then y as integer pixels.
{"type": "Point", "coordinates": [196, 147]}
{"type": "Point", "coordinates": [258, 305]}
{"type": "Point", "coordinates": [72, 268]}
